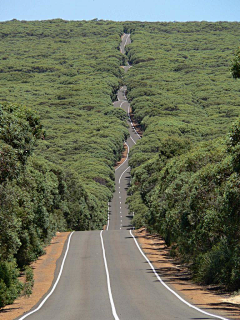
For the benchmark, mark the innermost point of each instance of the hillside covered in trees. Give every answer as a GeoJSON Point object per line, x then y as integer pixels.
{"type": "Point", "coordinates": [60, 137]}
{"type": "Point", "coordinates": [185, 169]}
{"type": "Point", "coordinates": [68, 73]}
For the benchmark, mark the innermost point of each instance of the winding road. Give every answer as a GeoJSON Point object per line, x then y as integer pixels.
{"type": "Point", "coordinates": [104, 274]}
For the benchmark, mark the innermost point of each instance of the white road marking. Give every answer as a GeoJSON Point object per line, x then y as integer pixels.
{"type": "Point", "coordinates": [132, 123]}
{"type": "Point", "coordinates": [133, 140]}
{"type": "Point", "coordinates": [108, 280]}
{"type": "Point", "coordinates": [126, 40]}
{"type": "Point", "coordinates": [156, 274]}
{"type": "Point", "coordinates": [55, 284]}
{"type": "Point", "coordinates": [108, 217]}
{"type": "Point", "coordinates": [121, 50]}
{"type": "Point", "coordinates": [122, 104]}
{"type": "Point", "coordinates": [122, 175]}
{"type": "Point", "coordinates": [121, 90]}
{"type": "Point", "coordinates": [167, 287]}
{"type": "Point", "coordinates": [119, 183]}
{"type": "Point", "coordinates": [104, 258]}
{"type": "Point", "coordinates": [124, 160]}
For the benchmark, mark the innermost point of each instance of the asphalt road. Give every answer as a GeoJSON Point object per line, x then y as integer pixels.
{"type": "Point", "coordinates": [105, 276]}
{"type": "Point", "coordinates": [119, 216]}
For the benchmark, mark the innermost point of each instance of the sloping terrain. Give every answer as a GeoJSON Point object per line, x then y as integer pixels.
{"type": "Point", "coordinates": [57, 171]}
{"type": "Point", "coordinates": [185, 171]}
{"type": "Point", "coordinates": [67, 75]}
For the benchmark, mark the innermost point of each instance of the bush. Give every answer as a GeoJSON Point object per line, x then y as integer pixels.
{"type": "Point", "coordinates": [235, 69]}
{"type": "Point", "coordinates": [29, 281]}
{"type": "Point", "coordinates": [10, 287]}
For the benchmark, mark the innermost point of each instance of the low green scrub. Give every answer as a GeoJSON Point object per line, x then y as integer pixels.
{"type": "Point", "coordinates": [185, 169]}
{"type": "Point", "coordinates": [29, 281]}
{"type": "Point", "coordinates": [33, 198]}
{"type": "Point", "coordinates": [68, 73]}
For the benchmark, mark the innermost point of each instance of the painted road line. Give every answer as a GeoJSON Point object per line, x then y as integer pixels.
{"type": "Point", "coordinates": [132, 123]}
{"type": "Point", "coordinates": [133, 140]}
{"type": "Point", "coordinates": [122, 175]}
{"type": "Point", "coordinates": [108, 216]}
{"type": "Point", "coordinates": [122, 103]}
{"type": "Point", "coordinates": [108, 281]}
{"type": "Point", "coordinates": [126, 40]}
{"type": "Point", "coordinates": [125, 43]}
{"type": "Point", "coordinates": [125, 159]}
{"type": "Point", "coordinates": [55, 284]}
{"type": "Point", "coordinates": [124, 95]}
{"type": "Point", "coordinates": [168, 288]}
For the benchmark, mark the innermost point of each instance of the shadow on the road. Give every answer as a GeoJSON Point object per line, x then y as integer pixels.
{"type": "Point", "coordinates": [128, 227]}
{"type": "Point", "coordinates": [127, 181]}
{"type": "Point", "coordinates": [172, 272]}
{"type": "Point", "coordinates": [233, 310]}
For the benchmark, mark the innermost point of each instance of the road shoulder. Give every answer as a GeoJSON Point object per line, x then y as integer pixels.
{"type": "Point", "coordinates": [44, 269]}
{"type": "Point", "coordinates": [178, 277]}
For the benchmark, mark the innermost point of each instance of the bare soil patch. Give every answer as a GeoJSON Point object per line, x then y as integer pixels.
{"type": "Point", "coordinates": [43, 269]}
{"type": "Point", "coordinates": [179, 278]}
{"type": "Point", "coordinates": [123, 158]}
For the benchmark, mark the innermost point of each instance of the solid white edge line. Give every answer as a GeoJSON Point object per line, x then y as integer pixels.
{"type": "Point", "coordinates": [125, 159]}
{"type": "Point", "coordinates": [108, 280]}
{"type": "Point", "coordinates": [133, 140]}
{"type": "Point", "coordinates": [122, 103]}
{"type": "Point", "coordinates": [55, 284]}
{"type": "Point", "coordinates": [168, 288]}
{"type": "Point", "coordinates": [108, 216]}
{"type": "Point", "coordinates": [122, 174]}
{"type": "Point", "coordinates": [126, 40]}
{"type": "Point", "coordinates": [124, 43]}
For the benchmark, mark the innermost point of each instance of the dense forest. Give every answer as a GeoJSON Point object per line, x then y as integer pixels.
{"type": "Point", "coordinates": [185, 170]}
{"type": "Point", "coordinates": [58, 80]}
{"type": "Point", "coordinates": [60, 137]}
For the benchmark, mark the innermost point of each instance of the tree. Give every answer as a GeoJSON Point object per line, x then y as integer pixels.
{"type": "Point", "coordinates": [235, 69]}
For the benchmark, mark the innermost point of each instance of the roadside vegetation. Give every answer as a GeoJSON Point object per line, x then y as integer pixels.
{"type": "Point", "coordinates": [185, 170]}
{"type": "Point", "coordinates": [67, 75]}
{"type": "Point", "coordinates": [60, 137]}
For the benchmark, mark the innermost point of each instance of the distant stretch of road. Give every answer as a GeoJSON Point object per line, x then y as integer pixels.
{"type": "Point", "coordinates": [104, 275]}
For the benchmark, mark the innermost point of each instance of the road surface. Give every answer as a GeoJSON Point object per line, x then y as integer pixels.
{"type": "Point", "coordinates": [103, 274]}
